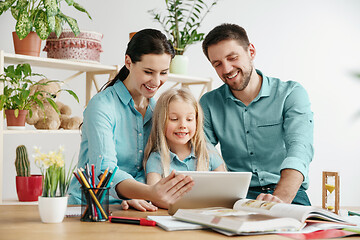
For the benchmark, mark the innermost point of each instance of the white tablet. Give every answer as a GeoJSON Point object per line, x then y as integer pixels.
{"type": "Point", "coordinates": [213, 189]}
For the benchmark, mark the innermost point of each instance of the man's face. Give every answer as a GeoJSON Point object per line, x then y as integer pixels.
{"type": "Point", "coordinates": [232, 63]}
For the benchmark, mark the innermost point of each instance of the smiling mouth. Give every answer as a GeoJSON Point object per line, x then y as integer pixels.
{"type": "Point", "coordinates": [181, 134]}
{"type": "Point", "coordinates": [150, 88]}
{"type": "Point", "coordinates": [233, 75]}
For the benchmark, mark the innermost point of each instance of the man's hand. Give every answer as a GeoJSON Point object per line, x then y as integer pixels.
{"type": "Point", "coordinates": [286, 188]}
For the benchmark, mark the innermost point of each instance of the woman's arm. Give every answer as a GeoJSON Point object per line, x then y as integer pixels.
{"type": "Point", "coordinates": [163, 193]}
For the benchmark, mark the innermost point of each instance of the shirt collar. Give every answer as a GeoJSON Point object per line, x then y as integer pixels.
{"type": "Point", "coordinates": [264, 91]}
{"type": "Point", "coordinates": [174, 157]}
{"type": "Point", "coordinates": [125, 96]}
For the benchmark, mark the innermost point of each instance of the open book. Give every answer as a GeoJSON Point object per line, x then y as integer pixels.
{"type": "Point", "coordinates": [251, 216]}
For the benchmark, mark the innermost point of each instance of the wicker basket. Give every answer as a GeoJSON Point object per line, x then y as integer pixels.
{"type": "Point", "coordinates": [85, 47]}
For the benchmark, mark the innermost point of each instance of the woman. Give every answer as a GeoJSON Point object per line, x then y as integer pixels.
{"type": "Point", "coordinates": [117, 123]}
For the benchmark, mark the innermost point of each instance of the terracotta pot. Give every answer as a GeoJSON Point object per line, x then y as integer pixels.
{"type": "Point", "coordinates": [29, 188]}
{"type": "Point", "coordinates": [13, 122]}
{"type": "Point", "coordinates": [30, 45]}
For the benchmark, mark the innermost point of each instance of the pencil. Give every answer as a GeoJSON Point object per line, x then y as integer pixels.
{"type": "Point", "coordinates": [109, 183]}
{"type": "Point", "coordinates": [102, 179]}
{"type": "Point", "coordinates": [92, 194]}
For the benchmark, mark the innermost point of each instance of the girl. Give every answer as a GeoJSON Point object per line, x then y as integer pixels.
{"type": "Point", "coordinates": [117, 123]}
{"type": "Point", "coordinates": [177, 140]}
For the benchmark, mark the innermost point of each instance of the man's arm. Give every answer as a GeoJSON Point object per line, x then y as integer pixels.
{"type": "Point", "coordinates": [287, 187]}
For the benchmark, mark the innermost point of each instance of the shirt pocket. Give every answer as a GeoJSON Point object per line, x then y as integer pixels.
{"type": "Point", "coordinates": [270, 128]}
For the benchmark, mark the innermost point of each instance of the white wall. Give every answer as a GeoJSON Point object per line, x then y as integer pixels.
{"type": "Point", "coordinates": [313, 42]}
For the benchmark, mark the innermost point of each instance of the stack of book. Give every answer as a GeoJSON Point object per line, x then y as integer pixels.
{"type": "Point", "coordinates": [250, 217]}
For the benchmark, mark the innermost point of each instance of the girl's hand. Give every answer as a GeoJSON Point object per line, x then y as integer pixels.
{"type": "Point", "coordinates": [170, 189]}
{"type": "Point", "coordinates": [138, 204]}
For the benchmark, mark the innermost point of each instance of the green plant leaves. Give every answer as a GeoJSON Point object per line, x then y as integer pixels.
{"type": "Point", "coordinates": [72, 23]}
{"type": "Point", "coordinates": [44, 15]}
{"type": "Point", "coordinates": [41, 25]}
{"type": "Point", "coordinates": [182, 21]}
{"type": "Point", "coordinates": [23, 25]}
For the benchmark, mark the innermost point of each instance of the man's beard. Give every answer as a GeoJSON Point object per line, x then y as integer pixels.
{"type": "Point", "coordinates": [244, 83]}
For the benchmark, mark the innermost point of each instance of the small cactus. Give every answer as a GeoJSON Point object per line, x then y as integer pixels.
{"type": "Point", "coordinates": [22, 163]}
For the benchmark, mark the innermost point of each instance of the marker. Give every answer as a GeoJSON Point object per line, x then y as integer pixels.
{"type": "Point", "coordinates": [350, 213]}
{"type": "Point", "coordinates": [129, 220]}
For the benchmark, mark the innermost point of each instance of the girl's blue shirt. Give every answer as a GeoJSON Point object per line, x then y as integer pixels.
{"type": "Point", "coordinates": [154, 164]}
{"type": "Point", "coordinates": [114, 133]}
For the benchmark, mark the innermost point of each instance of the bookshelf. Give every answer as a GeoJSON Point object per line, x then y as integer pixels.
{"type": "Point", "coordinates": [90, 70]}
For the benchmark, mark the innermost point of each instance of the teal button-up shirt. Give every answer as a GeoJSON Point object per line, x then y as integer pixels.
{"type": "Point", "coordinates": [114, 133]}
{"type": "Point", "coordinates": [274, 132]}
{"type": "Point", "coordinates": [154, 164]}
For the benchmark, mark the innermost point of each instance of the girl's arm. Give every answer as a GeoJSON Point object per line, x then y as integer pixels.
{"type": "Point", "coordinates": [152, 178]}
{"type": "Point", "coordinates": [163, 193]}
{"type": "Point", "coordinates": [221, 168]}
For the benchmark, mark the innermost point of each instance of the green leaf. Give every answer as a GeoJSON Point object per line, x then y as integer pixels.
{"type": "Point", "coordinates": [26, 69]}
{"type": "Point", "coordinates": [72, 94]}
{"type": "Point", "coordinates": [23, 25]}
{"type": "Point", "coordinates": [41, 25]}
{"type": "Point", "coordinates": [4, 6]}
{"type": "Point", "coordinates": [53, 104]}
{"type": "Point", "coordinates": [51, 7]}
{"type": "Point", "coordinates": [72, 23]}
{"type": "Point", "coordinates": [58, 26]}
{"type": "Point", "coordinates": [70, 2]}
{"type": "Point", "coordinates": [16, 113]}
{"type": "Point", "coordinates": [81, 9]}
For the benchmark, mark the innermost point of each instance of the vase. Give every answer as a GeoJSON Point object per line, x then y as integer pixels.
{"type": "Point", "coordinates": [29, 188]}
{"type": "Point", "coordinates": [13, 122]}
{"type": "Point", "coordinates": [52, 209]}
{"type": "Point", "coordinates": [30, 45]}
{"type": "Point", "coordinates": [179, 64]}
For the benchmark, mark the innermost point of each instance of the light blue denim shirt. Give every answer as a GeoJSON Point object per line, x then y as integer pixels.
{"type": "Point", "coordinates": [114, 133]}
{"type": "Point", "coordinates": [154, 164]}
{"type": "Point", "coordinates": [274, 132]}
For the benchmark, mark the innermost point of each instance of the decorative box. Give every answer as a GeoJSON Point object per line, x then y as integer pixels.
{"type": "Point", "coordinates": [85, 47]}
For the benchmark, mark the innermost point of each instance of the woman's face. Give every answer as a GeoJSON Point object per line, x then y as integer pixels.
{"type": "Point", "coordinates": [147, 75]}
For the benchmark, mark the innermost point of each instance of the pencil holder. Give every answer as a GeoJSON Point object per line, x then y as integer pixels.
{"type": "Point", "coordinates": [94, 204]}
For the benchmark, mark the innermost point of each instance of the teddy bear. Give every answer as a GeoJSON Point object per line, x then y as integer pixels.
{"type": "Point", "coordinates": [52, 119]}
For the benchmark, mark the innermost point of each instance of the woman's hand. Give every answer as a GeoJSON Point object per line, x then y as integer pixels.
{"type": "Point", "coordinates": [138, 204]}
{"type": "Point", "coordinates": [170, 189]}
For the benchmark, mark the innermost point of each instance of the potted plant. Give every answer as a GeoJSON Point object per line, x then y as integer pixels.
{"type": "Point", "coordinates": [16, 98]}
{"type": "Point", "coordinates": [39, 18]}
{"type": "Point", "coordinates": [181, 23]}
{"type": "Point", "coordinates": [28, 187]}
{"type": "Point", "coordinates": [53, 202]}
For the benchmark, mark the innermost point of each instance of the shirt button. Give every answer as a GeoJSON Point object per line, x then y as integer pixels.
{"type": "Point", "coordinates": [140, 134]}
{"type": "Point", "coordinates": [255, 170]}
{"type": "Point", "coordinates": [251, 153]}
{"type": "Point", "coordinates": [245, 109]}
{"type": "Point", "coordinates": [140, 151]}
{"type": "Point", "coordinates": [99, 156]}
{"type": "Point", "coordinates": [247, 131]}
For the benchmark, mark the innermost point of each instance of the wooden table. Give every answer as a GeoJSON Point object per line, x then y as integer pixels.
{"type": "Point", "coordinates": [23, 222]}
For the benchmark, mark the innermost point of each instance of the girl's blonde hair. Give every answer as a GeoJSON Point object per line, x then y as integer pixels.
{"type": "Point", "coordinates": [157, 140]}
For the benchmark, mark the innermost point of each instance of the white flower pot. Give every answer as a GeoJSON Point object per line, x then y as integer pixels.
{"type": "Point", "coordinates": [179, 64]}
{"type": "Point", "coordinates": [52, 209]}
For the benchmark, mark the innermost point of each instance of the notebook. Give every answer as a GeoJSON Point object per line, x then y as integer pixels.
{"type": "Point", "coordinates": [169, 223]}
{"type": "Point", "coordinates": [213, 189]}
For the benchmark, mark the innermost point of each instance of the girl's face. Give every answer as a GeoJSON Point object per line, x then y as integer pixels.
{"type": "Point", "coordinates": [147, 75]}
{"type": "Point", "coordinates": [181, 123]}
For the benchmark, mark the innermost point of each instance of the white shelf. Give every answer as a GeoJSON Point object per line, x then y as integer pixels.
{"type": "Point", "coordinates": [57, 63]}
{"type": "Point", "coordinates": [35, 131]}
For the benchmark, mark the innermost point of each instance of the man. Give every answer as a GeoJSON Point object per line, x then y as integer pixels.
{"type": "Point", "coordinates": [263, 125]}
